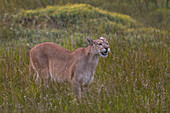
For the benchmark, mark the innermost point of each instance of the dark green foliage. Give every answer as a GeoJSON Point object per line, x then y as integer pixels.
{"type": "Point", "coordinates": [162, 17]}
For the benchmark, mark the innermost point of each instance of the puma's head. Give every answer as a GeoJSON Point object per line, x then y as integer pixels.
{"type": "Point", "coordinates": [99, 46]}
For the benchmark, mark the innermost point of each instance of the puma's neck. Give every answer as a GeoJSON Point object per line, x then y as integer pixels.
{"type": "Point", "coordinates": [91, 57]}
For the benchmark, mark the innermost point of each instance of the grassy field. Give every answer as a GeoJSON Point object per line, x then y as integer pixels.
{"type": "Point", "coordinates": [133, 78]}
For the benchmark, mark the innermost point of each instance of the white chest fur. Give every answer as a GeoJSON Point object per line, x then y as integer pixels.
{"type": "Point", "coordinates": [88, 74]}
{"type": "Point", "coordinates": [87, 78]}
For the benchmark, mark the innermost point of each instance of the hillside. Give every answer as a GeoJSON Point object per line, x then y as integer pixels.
{"type": "Point", "coordinates": [79, 17]}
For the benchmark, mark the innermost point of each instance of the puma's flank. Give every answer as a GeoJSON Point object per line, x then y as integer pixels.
{"type": "Point", "coordinates": [78, 67]}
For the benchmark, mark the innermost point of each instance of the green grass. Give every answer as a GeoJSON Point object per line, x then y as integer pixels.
{"type": "Point", "coordinates": [133, 78]}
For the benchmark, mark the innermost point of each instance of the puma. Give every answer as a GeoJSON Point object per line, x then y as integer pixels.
{"type": "Point", "coordinates": [78, 67]}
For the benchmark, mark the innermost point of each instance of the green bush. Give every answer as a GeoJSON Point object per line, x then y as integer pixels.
{"type": "Point", "coordinates": [79, 18]}
{"type": "Point", "coordinates": [74, 14]}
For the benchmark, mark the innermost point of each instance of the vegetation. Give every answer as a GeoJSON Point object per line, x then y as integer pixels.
{"type": "Point", "coordinates": [73, 13]}
{"type": "Point", "coordinates": [140, 10]}
{"type": "Point", "coordinates": [133, 78]}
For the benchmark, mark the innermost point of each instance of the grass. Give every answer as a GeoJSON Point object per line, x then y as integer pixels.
{"type": "Point", "coordinates": [133, 78]}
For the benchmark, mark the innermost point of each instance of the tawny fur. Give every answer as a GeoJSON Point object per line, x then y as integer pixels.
{"type": "Point", "coordinates": [78, 67]}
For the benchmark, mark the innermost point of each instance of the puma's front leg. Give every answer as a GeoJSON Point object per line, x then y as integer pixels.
{"type": "Point", "coordinates": [84, 90]}
{"type": "Point", "coordinates": [76, 89]}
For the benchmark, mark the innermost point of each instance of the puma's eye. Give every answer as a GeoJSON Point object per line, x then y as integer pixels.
{"type": "Point", "coordinates": [100, 43]}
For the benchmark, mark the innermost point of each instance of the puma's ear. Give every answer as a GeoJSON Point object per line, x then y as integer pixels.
{"type": "Point", "coordinates": [102, 38]}
{"type": "Point", "coordinates": [90, 41]}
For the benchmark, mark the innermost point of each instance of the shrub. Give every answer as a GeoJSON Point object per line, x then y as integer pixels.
{"type": "Point", "coordinates": [77, 13]}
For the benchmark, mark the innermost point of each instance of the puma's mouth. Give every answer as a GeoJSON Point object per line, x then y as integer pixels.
{"type": "Point", "coordinates": [104, 54]}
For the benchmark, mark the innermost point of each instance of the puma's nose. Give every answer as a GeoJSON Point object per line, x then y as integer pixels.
{"type": "Point", "coordinates": [106, 50]}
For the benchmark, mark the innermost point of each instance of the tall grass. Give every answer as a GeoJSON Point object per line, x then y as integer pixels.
{"type": "Point", "coordinates": [134, 78]}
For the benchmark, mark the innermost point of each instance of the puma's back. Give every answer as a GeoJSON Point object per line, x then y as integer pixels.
{"type": "Point", "coordinates": [48, 58]}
